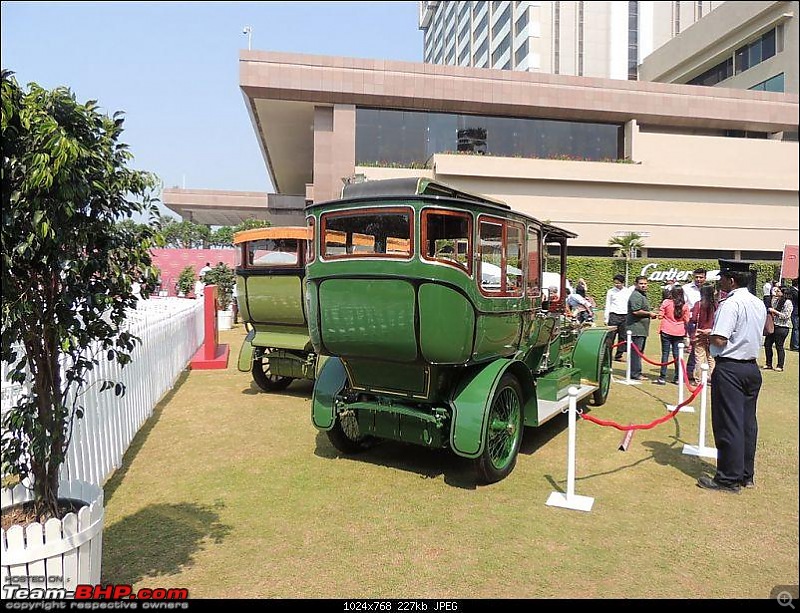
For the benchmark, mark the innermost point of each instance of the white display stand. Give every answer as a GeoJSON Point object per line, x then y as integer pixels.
{"type": "Point", "coordinates": [571, 500]}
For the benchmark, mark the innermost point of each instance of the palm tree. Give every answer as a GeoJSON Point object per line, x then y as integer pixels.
{"type": "Point", "coordinates": [627, 244]}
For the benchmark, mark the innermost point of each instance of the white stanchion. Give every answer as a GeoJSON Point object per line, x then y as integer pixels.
{"type": "Point", "coordinates": [701, 449]}
{"type": "Point", "coordinates": [627, 380]}
{"type": "Point", "coordinates": [570, 500]}
{"type": "Point", "coordinates": [681, 378]}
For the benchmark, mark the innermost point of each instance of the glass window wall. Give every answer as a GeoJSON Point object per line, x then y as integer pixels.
{"type": "Point", "coordinates": [386, 137]}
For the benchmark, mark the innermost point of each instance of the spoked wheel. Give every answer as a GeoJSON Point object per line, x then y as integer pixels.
{"type": "Point", "coordinates": [601, 393]}
{"type": "Point", "coordinates": [346, 437]}
{"type": "Point", "coordinates": [265, 379]}
{"type": "Point", "coordinates": [503, 433]}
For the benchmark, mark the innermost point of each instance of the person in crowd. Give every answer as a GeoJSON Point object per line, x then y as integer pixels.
{"type": "Point", "coordinates": [204, 270]}
{"type": "Point", "coordinates": [767, 292]}
{"type": "Point", "coordinates": [791, 292]}
{"type": "Point", "coordinates": [582, 283]}
{"type": "Point", "coordinates": [701, 321]}
{"type": "Point", "coordinates": [673, 315]}
{"type": "Point", "coordinates": [781, 312]}
{"type": "Point", "coordinates": [736, 382]}
{"type": "Point", "coordinates": [235, 302]}
{"type": "Point", "coordinates": [615, 314]}
{"type": "Point", "coordinates": [580, 306]}
{"type": "Point", "coordinates": [666, 289]}
{"type": "Point", "coordinates": [691, 292]}
{"type": "Point", "coordinates": [638, 322]}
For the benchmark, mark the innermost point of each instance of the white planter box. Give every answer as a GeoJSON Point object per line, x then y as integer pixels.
{"type": "Point", "coordinates": [224, 320]}
{"type": "Point", "coordinates": [60, 554]}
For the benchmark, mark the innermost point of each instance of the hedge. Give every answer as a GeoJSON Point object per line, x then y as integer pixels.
{"type": "Point", "coordinates": [599, 273]}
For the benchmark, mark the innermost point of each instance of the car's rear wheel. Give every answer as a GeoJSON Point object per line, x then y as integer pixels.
{"type": "Point", "coordinates": [264, 378]}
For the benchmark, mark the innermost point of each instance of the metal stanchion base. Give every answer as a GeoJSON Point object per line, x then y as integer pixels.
{"type": "Point", "coordinates": [687, 409]}
{"type": "Point", "coordinates": [626, 382]}
{"type": "Point", "coordinates": [574, 502]}
{"type": "Point", "coordinates": [703, 452]}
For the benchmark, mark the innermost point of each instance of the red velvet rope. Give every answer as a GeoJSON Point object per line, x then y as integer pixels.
{"type": "Point", "coordinates": [686, 381]}
{"type": "Point", "coordinates": [648, 360]}
{"type": "Point", "coordinates": [619, 344]}
{"type": "Point", "coordinates": [653, 424]}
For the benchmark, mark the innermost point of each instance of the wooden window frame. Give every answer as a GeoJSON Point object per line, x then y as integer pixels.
{"type": "Point", "coordinates": [249, 266]}
{"type": "Point", "coordinates": [367, 211]}
{"type": "Point", "coordinates": [424, 238]}
{"type": "Point", "coordinates": [311, 251]}
{"type": "Point", "coordinates": [503, 223]}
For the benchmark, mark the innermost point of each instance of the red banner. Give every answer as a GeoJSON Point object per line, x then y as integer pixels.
{"type": "Point", "coordinates": [789, 263]}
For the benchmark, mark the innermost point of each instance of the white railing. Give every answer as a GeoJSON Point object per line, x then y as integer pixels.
{"type": "Point", "coordinates": [171, 331]}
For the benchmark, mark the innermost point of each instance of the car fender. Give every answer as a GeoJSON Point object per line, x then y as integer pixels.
{"type": "Point", "coordinates": [331, 380]}
{"type": "Point", "coordinates": [470, 403]}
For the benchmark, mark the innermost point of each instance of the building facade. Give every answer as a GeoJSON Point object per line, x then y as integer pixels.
{"type": "Point", "coordinates": [596, 39]}
{"type": "Point", "coordinates": [596, 156]}
{"type": "Point", "coordinates": [741, 45]}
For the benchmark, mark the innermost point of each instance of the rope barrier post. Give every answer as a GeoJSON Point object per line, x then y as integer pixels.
{"type": "Point", "coordinates": [681, 377]}
{"type": "Point", "coordinates": [627, 380]}
{"type": "Point", "coordinates": [570, 500]}
{"type": "Point", "coordinates": [701, 449]}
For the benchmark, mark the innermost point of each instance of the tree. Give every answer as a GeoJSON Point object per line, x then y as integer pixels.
{"type": "Point", "coordinates": [223, 236]}
{"type": "Point", "coordinates": [67, 268]}
{"type": "Point", "coordinates": [627, 245]}
{"type": "Point", "coordinates": [185, 234]}
{"type": "Point", "coordinates": [186, 280]}
{"type": "Point", "coordinates": [222, 276]}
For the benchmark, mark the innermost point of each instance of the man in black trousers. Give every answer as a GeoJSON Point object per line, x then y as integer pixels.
{"type": "Point", "coordinates": [735, 383]}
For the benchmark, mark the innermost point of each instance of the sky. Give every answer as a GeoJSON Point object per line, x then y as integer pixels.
{"type": "Point", "coordinates": [173, 68]}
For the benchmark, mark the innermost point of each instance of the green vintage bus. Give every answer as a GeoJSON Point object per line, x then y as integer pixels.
{"type": "Point", "coordinates": [270, 279]}
{"type": "Point", "coordinates": [428, 302]}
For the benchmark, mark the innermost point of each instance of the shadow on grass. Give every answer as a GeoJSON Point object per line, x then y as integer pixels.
{"type": "Point", "coordinates": [297, 389]}
{"type": "Point", "coordinates": [138, 441]}
{"type": "Point", "coordinates": [427, 463]}
{"type": "Point", "coordinates": [159, 540]}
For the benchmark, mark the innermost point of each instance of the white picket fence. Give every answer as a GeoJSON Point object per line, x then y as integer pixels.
{"type": "Point", "coordinates": [171, 331]}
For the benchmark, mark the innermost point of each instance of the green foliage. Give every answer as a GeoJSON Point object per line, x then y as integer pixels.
{"type": "Point", "coordinates": [223, 277]}
{"type": "Point", "coordinates": [68, 267]}
{"type": "Point", "coordinates": [185, 234]}
{"type": "Point", "coordinates": [190, 235]}
{"type": "Point", "coordinates": [626, 247]}
{"type": "Point", "coordinates": [599, 272]}
{"type": "Point", "coordinates": [186, 280]}
{"type": "Point", "coordinates": [223, 236]}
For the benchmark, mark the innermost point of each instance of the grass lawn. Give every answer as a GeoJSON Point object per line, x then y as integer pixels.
{"type": "Point", "coordinates": [232, 493]}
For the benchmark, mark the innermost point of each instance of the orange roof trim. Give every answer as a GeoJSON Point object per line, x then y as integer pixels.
{"type": "Point", "coordinates": [302, 233]}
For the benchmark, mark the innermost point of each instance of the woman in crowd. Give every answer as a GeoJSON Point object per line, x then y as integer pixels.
{"type": "Point", "coordinates": [702, 320]}
{"type": "Point", "coordinates": [781, 313]}
{"type": "Point", "coordinates": [580, 305]}
{"type": "Point", "coordinates": [673, 315]}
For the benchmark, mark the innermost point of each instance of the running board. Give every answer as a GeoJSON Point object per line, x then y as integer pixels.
{"type": "Point", "coordinates": [549, 409]}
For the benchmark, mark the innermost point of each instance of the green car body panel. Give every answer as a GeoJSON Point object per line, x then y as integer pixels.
{"type": "Point", "coordinates": [427, 303]}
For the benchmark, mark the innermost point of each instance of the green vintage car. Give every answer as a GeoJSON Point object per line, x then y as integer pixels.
{"type": "Point", "coordinates": [270, 278]}
{"type": "Point", "coordinates": [430, 304]}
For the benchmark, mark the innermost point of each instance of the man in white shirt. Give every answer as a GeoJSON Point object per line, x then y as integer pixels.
{"type": "Point", "coordinates": [735, 341]}
{"type": "Point", "coordinates": [691, 293]}
{"type": "Point", "coordinates": [766, 291]}
{"type": "Point", "coordinates": [615, 313]}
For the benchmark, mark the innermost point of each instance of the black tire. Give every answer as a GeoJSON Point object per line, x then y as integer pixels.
{"type": "Point", "coordinates": [600, 395]}
{"type": "Point", "coordinates": [345, 436]}
{"type": "Point", "coordinates": [503, 434]}
{"type": "Point", "coordinates": [264, 379]}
